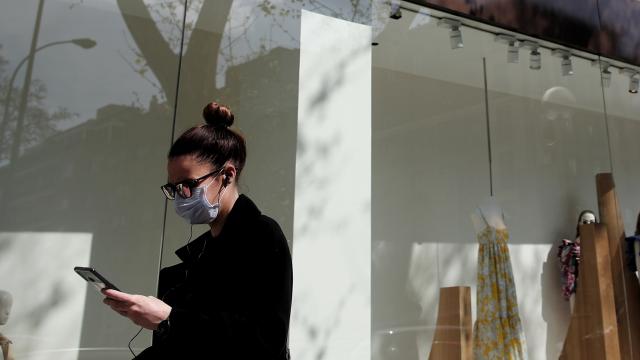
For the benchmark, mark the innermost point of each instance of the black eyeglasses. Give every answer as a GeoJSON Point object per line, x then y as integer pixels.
{"type": "Point", "coordinates": [185, 188]}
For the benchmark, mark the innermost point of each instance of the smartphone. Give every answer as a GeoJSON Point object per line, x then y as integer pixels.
{"type": "Point", "coordinates": [94, 278]}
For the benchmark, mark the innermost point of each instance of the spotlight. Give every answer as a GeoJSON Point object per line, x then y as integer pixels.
{"type": "Point", "coordinates": [395, 13]}
{"type": "Point", "coordinates": [565, 64]}
{"type": "Point", "coordinates": [567, 67]}
{"type": "Point", "coordinates": [604, 71]}
{"type": "Point", "coordinates": [633, 84]}
{"type": "Point", "coordinates": [455, 35]}
{"type": "Point", "coordinates": [634, 80]}
{"type": "Point", "coordinates": [606, 77]}
{"type": "Point", "coordinates": [535, 59]}
{"type": "Point", "coordinates": [513, 51]}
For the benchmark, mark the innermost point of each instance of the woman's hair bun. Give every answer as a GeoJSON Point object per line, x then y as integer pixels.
{"type": "Point", "coordinates": [217, 115]}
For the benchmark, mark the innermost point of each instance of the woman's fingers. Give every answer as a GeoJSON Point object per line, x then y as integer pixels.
{"type": "Point", "coordinates": [118, 295]}
{"type": "Point", "coordinates": [146, 311]}
{"type": "Point", "coordinates": [118, 306]}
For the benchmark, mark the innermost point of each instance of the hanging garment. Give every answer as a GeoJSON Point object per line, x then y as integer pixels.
{"type": "Point", "coordinates": [630, 252]}
{"type": "Point", "coordinates": [498, 330]}
{"type": "Point", "coordinates": [569, 256]}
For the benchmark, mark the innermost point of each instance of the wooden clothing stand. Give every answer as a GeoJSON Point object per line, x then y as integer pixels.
{"type": "Point", "coordinates": [605, 323]}
{"type": "Point", "coordinates": [453, 336]}
{"type": "Point", "coordinates": [625, 284]}
{"type": "Point", "coordinates": [593, 331]}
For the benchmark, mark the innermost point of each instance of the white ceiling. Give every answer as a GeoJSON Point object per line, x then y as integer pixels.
{"type": "Point", "coordinates": [415, 45]}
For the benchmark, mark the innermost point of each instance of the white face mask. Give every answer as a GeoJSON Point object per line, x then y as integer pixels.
{"type": "Point", "coordinates": [197, 209]}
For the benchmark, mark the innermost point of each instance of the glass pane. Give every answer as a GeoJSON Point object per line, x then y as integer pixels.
{"type": "Point", "coordinates": [300, 134]}
{"type": "Point", "coordinates": [549, 140]}
{"type": "Point", "coordinates": [622, 104]}
{"type": "Point", "coordinates": [82, 159]}
{"type": "Point", "coordinates": [429, 172]}
{"type": "Point", "coordinates": [453, 163]}
{"type": "Point", "coordinates": [623, 115]}
{"type": "Point", "coordinates": [229, 57]}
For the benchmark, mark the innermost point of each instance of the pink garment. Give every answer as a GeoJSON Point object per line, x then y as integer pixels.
{"type": "Point", "coordinates": [569, 256]}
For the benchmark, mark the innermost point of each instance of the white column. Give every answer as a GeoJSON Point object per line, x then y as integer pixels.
{"type": "Point", "coordinates": [332, 214]}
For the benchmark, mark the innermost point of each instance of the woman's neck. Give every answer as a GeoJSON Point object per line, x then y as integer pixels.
{"type": "Point", "coordinates": [226, 204]}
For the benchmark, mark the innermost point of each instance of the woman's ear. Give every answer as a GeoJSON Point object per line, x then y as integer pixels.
{"type": "Point", "coordinates": [229, 174]}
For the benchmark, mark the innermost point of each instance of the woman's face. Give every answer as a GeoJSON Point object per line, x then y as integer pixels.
{"type": "Point", "coordinates": [187, 167]}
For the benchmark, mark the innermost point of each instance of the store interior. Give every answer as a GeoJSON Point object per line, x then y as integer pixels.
{"type": "Point", "coordinates": [456, 128]}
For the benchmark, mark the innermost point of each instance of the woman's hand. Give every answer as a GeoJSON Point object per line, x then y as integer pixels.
{"type": "Point", "coordinates": [145, 311]}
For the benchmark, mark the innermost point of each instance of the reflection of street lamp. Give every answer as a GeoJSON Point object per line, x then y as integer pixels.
{"type": "Point", "coordinates": [84, 43]}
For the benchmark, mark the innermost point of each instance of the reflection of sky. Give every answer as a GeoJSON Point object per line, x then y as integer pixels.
{"type": "Point", "coordinates": [80, 80]}
{"type": "Point", "coordinates": [249, 33]}
{"type": "Point", "coordinates": [85, 80]}
{"type": "Point", "coordinates": [252, 31]}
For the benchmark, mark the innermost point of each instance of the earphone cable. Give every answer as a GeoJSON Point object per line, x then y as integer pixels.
{"type": "Point", "coordinates": [130, 341]}
{"type": "Point", "coordinates": [190, 237]}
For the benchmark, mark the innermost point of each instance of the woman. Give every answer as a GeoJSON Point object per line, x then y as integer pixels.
{"type": "Point", "coordinates": [230, 297]}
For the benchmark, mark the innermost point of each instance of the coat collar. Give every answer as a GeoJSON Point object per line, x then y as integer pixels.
{"type": "Point", "coordinates": [243, 211]}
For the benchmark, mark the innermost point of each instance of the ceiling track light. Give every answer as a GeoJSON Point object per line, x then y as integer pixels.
{"type": "Point", "coordinates": [395, 12]}
{"type": "Point", "coordinates": [565, 65]}
{"type": "Point", "coordinates": [455, 35]}
{"type": "Point", "coordinates": [634, 82]}
{"type": "Point", "coordinates": [535, 59]}
{"type": "Point", "coordinates": [634, 79]}
{"type": "Point", "coordinates": [513, 50]}
{"type": "Point", "coordinates": [604, 71]}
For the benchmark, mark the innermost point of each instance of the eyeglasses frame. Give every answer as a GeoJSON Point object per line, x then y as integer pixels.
{"type": "Point", "coordinates": [189, 183]}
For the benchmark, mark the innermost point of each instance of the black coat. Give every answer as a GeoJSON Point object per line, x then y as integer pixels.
{"type": "Point", "coordinates": [230, 295]}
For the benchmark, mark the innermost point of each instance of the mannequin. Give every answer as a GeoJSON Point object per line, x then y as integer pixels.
{"type": "Point", "coordinates": [6, 301]}
{"type": "Point", "coordinates": [492, 212]}
{"type": "Point", "coordinates": [585, 217]}
{"type": "Point", "coordinates": [569, 256]}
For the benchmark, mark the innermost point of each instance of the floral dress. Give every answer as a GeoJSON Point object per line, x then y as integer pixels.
{"type": "Point", "coordinates": [569, 256]}
{"type": "Point", "coordinates": [498, 330]}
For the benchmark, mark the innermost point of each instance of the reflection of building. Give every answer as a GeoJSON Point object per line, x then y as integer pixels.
{"type": "Point", "coordinates": [121, 153]}
{"type": "Point", "coordinates": [94, 165]}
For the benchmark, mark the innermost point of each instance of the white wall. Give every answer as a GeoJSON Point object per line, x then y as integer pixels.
{"type": "Point", "coordinates": [332, 214]}
{"type": "Point", "coordinates": [49, 298]}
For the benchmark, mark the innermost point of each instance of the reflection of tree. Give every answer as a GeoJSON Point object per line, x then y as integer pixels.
{"type": "Point", "coordinates": [40, 122]}
{"type": "Point", "coordinates": [255, 47]}
{"type": "Point", "coordinates": [157, 54]}
{"type": "Point", "coordinates": [216, 37]}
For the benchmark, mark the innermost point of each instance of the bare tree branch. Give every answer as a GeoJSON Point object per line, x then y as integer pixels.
{"type": "Point", "coordinates": [200, 60]}
{"type": "Point", "coordinates": [157, 52]}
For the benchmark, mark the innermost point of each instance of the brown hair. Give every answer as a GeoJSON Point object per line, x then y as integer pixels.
{"type": "Point", "coordinates": [213, 142]}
